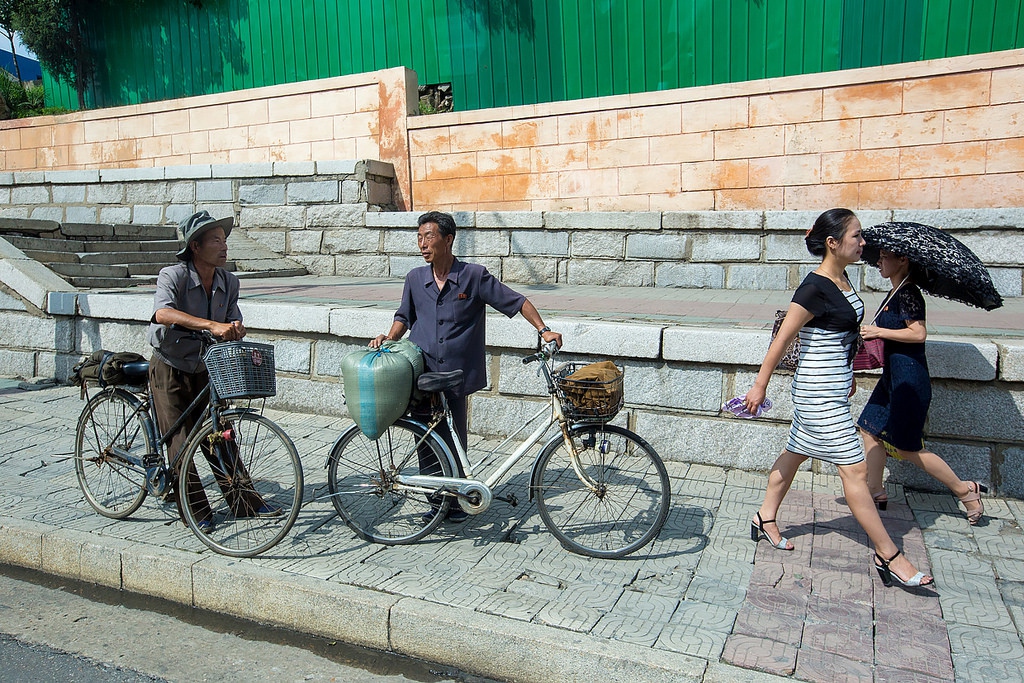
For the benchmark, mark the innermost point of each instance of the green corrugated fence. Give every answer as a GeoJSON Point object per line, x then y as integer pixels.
{"type": "Point", "coordinates": [508, 52]}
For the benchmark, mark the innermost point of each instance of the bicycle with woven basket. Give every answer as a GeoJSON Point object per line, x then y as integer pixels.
{"type": "Point", "coordinates": [240, 478]}
{"type": "Point", "coordinates": [600, 488]}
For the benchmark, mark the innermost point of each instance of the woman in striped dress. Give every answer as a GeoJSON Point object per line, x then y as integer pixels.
{"type": "Point", "coordinates": [826, 313]}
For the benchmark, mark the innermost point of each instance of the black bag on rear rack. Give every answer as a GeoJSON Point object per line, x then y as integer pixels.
{"type": "Point", "coordinates": [103, 368]}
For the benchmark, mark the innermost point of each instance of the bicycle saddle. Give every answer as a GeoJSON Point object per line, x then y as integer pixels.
{"type": "Point", "coordinates": [136, 374]}
{"type": "Point", "coordinates": [433, 382]}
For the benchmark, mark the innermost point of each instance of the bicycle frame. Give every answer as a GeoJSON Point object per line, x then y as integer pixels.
{"type": "Point", "coordinates": [469, 486]}
{"type": "Point", "coordinates": [160, 439]}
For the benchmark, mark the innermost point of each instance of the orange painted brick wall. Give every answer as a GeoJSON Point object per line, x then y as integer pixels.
{"type": "Point", "coordinates": [940, 134]}
{"type": "Point", "coordinates": [350, 117]}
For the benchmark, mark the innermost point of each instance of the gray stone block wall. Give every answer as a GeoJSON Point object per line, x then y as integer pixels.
{"type": "Point", "coordinates": [329, 216]}
{"type": "Point", "coordinates": [676, 378]}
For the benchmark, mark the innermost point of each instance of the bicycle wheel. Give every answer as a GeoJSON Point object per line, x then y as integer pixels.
{"type": "Point", "coordinates": [240, 485]}
{"type": "Point", "coordinates": [623, 509]}
{"type": "Point", "coordinates": [362, 478]}
{"type": "Point", "coordinates": [110, 442]}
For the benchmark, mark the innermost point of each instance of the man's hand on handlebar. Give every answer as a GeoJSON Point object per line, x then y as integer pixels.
{"type": "Point", "coordinates": [232, 331]}
{"type": "Point", "coordinates": [551, 336]}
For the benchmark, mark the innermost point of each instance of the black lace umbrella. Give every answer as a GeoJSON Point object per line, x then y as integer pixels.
{"type": "Point", "coordinates": [940, 264]}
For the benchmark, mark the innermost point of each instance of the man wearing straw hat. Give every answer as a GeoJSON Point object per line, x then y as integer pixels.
{"type": "Point", "coordinates": [195, 294]}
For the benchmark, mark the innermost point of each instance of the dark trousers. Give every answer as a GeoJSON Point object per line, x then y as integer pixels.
{"type": "Point", "coordinates": [459, 408]}
{"type": "Point", "coordinates": [173, 392]}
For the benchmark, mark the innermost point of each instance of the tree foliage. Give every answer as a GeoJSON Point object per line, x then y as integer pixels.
{"type": "Point", "coordinates": [55, 30]}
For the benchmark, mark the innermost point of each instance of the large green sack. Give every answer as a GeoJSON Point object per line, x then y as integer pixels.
{"type": "Point", "coordinates": [415, 356]}
{"type": "Point", "coordinates": [378, 384]}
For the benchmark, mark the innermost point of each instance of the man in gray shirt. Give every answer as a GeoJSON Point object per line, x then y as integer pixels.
{"type": "Point", "coordinates": [197, 293]}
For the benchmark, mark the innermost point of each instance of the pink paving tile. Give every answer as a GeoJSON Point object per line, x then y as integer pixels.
{"type": "Point", "coordinates": [833, 610]}
{"type": "Point", "coordinates": [760, 653]}
{"type": "Point", "coordinates": [759, 623]}
{"type": "Point", "coordinates": [789, 601]}
{"type": "Point", "coordinates": [888, 674]}
{"type": "Point", "coordinates": [841, 639]}
{"type": "Point", "coordinates": [815, 665]}
{"type": "Point", "coordinates": [854, 586]}
{"type": "Point", "coordinates": [917, 645]}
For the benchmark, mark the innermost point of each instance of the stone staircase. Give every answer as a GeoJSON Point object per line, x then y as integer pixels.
{"type": "Point", "coordinates": [103, 256]}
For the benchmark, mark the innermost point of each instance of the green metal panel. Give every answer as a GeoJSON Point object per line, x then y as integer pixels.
{"type": "Point", "coordinates": [508, 52]}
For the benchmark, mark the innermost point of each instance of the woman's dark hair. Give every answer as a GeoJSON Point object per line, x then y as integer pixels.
{"type": "Point", "coordinates": [444, 221]}
{"type": "Point", "coordinates": [832, 223]}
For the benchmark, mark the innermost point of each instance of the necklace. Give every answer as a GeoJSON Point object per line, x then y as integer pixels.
{"type": "Point", "coordinates": [839, 282]}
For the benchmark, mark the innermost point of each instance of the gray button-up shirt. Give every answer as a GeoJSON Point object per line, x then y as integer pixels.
{"type": "Point", "coordinates": [180, 288]}
{"type": "Point", "coordinates": [448, 324]}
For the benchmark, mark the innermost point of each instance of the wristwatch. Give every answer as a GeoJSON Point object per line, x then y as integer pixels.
{"type": "Point", "coordinates": [541, 331]}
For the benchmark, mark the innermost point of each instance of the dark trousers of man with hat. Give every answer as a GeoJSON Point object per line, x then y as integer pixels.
{"type": "Point", "coordinates": [196, 294]}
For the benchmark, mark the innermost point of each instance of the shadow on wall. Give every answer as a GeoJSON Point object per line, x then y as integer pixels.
{"type": "Point", "coordinates": [198, 55]}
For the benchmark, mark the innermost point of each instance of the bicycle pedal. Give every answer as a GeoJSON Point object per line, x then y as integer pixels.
{"type": "Point", "coordinates": [510, 499]}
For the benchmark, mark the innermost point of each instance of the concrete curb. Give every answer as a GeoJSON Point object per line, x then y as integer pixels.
{"type": "Point", "coordinates": [480, 643]}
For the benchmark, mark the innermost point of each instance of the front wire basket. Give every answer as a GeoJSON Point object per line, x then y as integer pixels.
{"type": "Point", "coordinates": [241, 369]}
{"type": "Point", "coordinates": [588, 400]}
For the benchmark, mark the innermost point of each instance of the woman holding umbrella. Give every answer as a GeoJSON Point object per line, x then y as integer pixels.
{"type": "Point", "coordinates": [893, 420]}
{"type": "Point", "coordinates": [826, 313]}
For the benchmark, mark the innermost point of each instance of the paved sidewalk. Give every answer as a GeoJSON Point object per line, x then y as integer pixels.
{"type": "Point", "coordinates": [499, 596]}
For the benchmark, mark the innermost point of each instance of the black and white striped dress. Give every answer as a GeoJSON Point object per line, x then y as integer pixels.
{"type": "Point", "coordinates": [823, 427]}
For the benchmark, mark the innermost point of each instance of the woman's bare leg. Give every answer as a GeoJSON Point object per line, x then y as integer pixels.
{"type": "Point", "coordinates": [939, 469]}
{"type": "Point", "coordinates": [855, 488]}
{"type": "Point", "coordinates": [779, 481]}
{"type": "Point", "coordinates": [875, 457]}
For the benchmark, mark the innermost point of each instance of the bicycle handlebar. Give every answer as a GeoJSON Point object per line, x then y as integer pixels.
{"type": "Point", "coordinates": [547, 351]}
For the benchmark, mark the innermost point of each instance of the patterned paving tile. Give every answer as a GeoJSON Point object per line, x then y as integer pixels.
{"type": "Point", "coordinates": [818, 665]}
{"type": "Point", "coordinates": [628, 629]}
{"type": "Point", "coordinates": [855, 585]}
{"type": "Point", "coordinates": [971, 641]}
{"type": "Point", "coordinates": [779, 599]}
{"type": "Point", "coordinates": [840, 639]}
{"type": "Point", "coordinates": [571, 616]}
{"type": "Point", "coordinates": [692, 640]}
{"type": "Point", "coordinates": [761, 654]}
{"type": "Point", "coordinates": [517, 606]}
{"type": "Point", "coordinates": [914, 647]}
{"type": "Point", "coordinates": [971, 669]}
{"type": "Point", "coordinates": [888, 674]}
{"type": "Point", "coordinates": [704, 589]}
{"type": "Point", "coordinates": [703, 615]}
{"type": "Point", "coordinates": [760, 623]}
{"type": "Point", "coordinates": [975, 602]}
{"type": "Point", "coordinates": [827, 609]}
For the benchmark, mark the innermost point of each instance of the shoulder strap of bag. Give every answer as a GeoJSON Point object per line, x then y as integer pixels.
{"type": "Point", "coordinates": [887, 299]}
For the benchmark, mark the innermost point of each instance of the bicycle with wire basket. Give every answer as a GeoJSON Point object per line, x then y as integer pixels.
{"type": "Point", "coordinates": [240, 478]}
{"type": "Point", "coordinates": [600, 488]}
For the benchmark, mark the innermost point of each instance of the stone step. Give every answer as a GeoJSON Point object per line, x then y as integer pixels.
{"type": "Point", "coordinates": [29, 226]}
{"type": "Point", "coordinates": [44, 243]}
{"type": "Point", "coordinates": [145, 268]}
{"type": "Point", "coordinates": [48, 257]}
{"type": "Point", "coordinates": [95, 231]}
{"type": "Point", "coordinates": [284, 272]}
{"type": "Point", "coordinates": [86, 282]}
{"type": "Point", "coordinates": [87, 230]}
{"type": "Point", "coordinates": [89, 270]}
{"type": "Point", "coordinates": [166, 246]}
{"type": "Point", "coordinates": [146, 232]}
{"type": "Point", "coordinates": [126, 257]}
